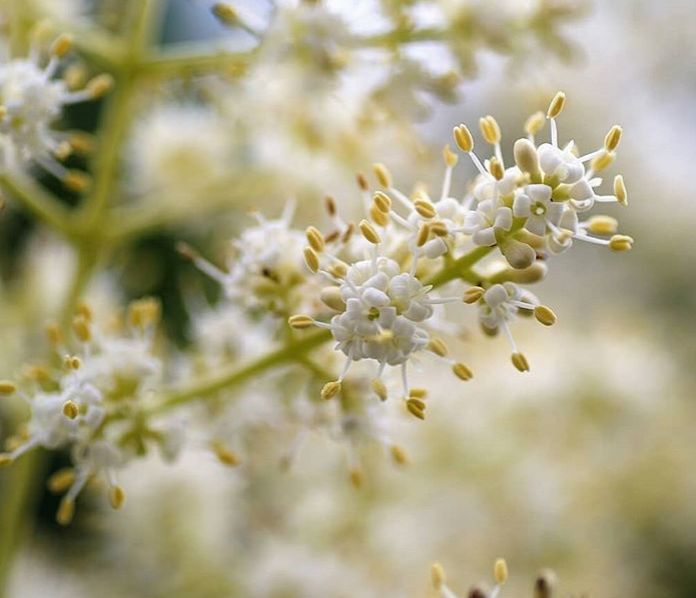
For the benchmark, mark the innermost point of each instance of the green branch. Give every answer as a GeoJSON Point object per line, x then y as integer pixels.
{"type": "Point", "coordinates": [208, 386]}
{"type": "Point", "coordinates": [37, 201]}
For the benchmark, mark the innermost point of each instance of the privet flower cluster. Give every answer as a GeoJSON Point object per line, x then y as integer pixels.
{"type": "Point", "coordinates": [33, 94]}
{"type": "Point", "coordinates": [383, 274]}
{"type": "Point", "coordinates": [83, 399]}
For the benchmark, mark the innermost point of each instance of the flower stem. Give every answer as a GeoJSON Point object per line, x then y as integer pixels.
{"type": "Point", "coordinates": [208, 386]}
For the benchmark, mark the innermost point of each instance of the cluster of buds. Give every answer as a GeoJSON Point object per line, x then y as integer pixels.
{"type": "Point", "coordinates": [33, 94]}
{"type": "Point", "coordinates": [382, 273]}
{"type": "Point", "coordinates": [89, 380]}
{"type": "Point", "coordinates": [543, 585]}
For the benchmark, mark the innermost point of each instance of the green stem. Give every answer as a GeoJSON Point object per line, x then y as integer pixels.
{"type": "Point", "coordinates": [237, 374]}
{"type": "Point", "coordinates": [37, 201]}
{"type": "Point", "coordinates": [461, 268]}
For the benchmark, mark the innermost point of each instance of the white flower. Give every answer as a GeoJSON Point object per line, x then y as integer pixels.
{"type": "Point", "coordinates": [180, 149]}
{"type": "Point", "coordinates": [483, 222]}
{"type": "Point", "coordinates": [31, 100]}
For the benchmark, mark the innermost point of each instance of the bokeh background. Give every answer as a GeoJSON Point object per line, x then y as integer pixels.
{"type": "Point", "coordinates": [586, 465]}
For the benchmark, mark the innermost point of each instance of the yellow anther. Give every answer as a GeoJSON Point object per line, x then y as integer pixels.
{"type": "Point", "coordinates": [315, 239]}
{"type": "Point", "coordinates": [425, 208]}
{"type": "Point", "coordinates": [520, 362]}
{"type": "Point", "coordinates": [416, 407]}
{"type": "Point", "coordinates": [7, 387]}
{"type": "Point", "coordinates": [300, 322]}
{"type": "Point", "coordinates": [611, 141]}
{"type": "Point", "coordinates": [496, 168]}
{"type": "Point", "coordinates": [383, 175]}
{"type": "Point", "coordinates": [66, 511]}
{"type": "Point", "coordinates": [368, 231]}
{"type": "Point", "coordinates": [226, 13]}
{"type": "Point", "coordinates": [603, 161]}
{"type": "Point", "coordinates": [361, 179]}
{"type": "Point", "coordinates": [602, 225]}
{"type": "Point", "coordinates": [75, 76]}
{"type": "Point", "coordinates": [545, 315]}
{"type": "Point", "coordinates": [500, 571]}
{"type": "Point", "coordinates": [398, 455]}
{"type": "Point", "coordinates": [462, 371]}
{"type": "Point", "coordinates": [437, 346]}
{"type": "Point", "coordinates": [382, 201]}
{"type": "Point", "coordinates": [449, 157]}
{"type": "Point", "coordinates": [534, 123]}
{"type": "Point", "coordinates": [72, 362]}
{"type": "Point", "coordinates": [85, 311]}
{"type": "Point", "coordinates": [348, 233]}
{"type": "Point", "coordinates": [418, 393]}
{"type": "Point", "coordinates": [116, 497]}
{"type": "Point", "coordinates": [356, 477]}
{"type": "Point", "coordinates": [61, 480]}
{"type": "Point", "coordinates": [331, 297]}
{"type": "Point", "coordinates": [81, 328]}
{"type": "Point", "coordinates": [526, 157]}
{"type": "Point", "coordinates": [224, 454]}
{"type": "Point", "coordinates": [490, 129]}
{"type": "Point", "coordinates": [463, 138]}
{"type": "Point", "coordinates": [99, 85]}
{"type": "Point", "coordinates": [330, 389]}
{"type": "Point", "coordinates": [437, 576]}
{"type": "Point", "coordinates": [63, 151]}
{"type": "Point", "coordinates": [70, 410]}
{"type": "Point", "coordinates": [556, 105]}
{"type": "Point", "coordinates": [311, 259]}
{"type": "Point", "coordinates": [423, 234]}
{"type": "Point", "coordinates": [62, 45]}
{"type": "Point", "coordinates": [621, 243]}
{"type": "Point", "coordinates": [438, 228]}
{"type": "Point", "coordinates": [473, 294]}
{"type": "Point", "coordinates": [77, 181]}
{"type": "Point", "coordinates": [380, 389]}
{"type": "Point", "coordinates": [330, 205]}
{"type": "Point", "coordinates": [338, 270]}
{"type": "Point", "coordinates": [144, 312]}
{"type": "Point", "coordinates": [378, 216]}
{"type": "Point", "coordinates": [620, 190]}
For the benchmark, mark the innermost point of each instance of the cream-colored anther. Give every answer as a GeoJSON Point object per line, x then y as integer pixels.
{"type": "Point", "coordinates": [368, 231]}
{"type": "Point", "coordinates": [463, 138]}
{"type": "Point", "coordinates": [383, 175]}
{"type": "Point", "coordinates": [611, 141]}
{"type": "Point", "coordinates": [490, 129]}
{"type": "Point", "coordinates": [556, 105]}
{"type": "Point", "coordinates": [462, 371]}
{"type": "Point", "coordinates": [520, 362]}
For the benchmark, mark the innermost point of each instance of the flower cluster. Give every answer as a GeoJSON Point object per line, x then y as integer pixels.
{"type": "Point", "coordinates": [73, 396]}
{"type": "Point", "coordinates": [543, 585]}
{"type": "Point", "coordinates": [32, 98]}
{"type": "Point", "coordinates": [383, 273]}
